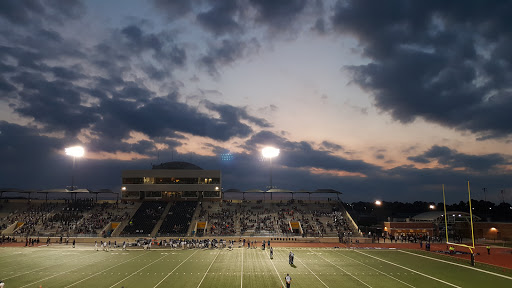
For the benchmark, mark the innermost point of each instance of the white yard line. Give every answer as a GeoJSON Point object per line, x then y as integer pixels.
{"type": "Point", "coordinates": [57, 274]}
{"type": "Point", "coordinates": [342, 269]}
{"type": "Point", "coordinates": [277, 273]}
{"type": "Point", "coordinates": [312, 271]}
{"type": "Point", "coordinates": [208, 269]}
{"type": "Point", "coordinates": [175, 269]}
{"type": "Point", "coordinates": [457, 264]}
{"type": "Point", "coordinates": [242, 272]}
{"type": "Point", "coordinates": [105, 270]}
{"type": "Point", "coordinates": [376, 270]}
{"type": "Point", "coordinates": [46, 267]}
{"type": "Point", "coordinates": [428, 276]}
{"type": "Point", "coordinates": [139, 270]}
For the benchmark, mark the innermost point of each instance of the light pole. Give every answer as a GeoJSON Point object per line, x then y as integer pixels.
{"type": "Point", "coordinates": [75, 151]}
{"type": "Point", "coordinates": [270, 152]}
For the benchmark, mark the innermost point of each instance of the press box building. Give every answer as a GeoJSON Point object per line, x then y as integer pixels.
{"type": "Point", "coordinates": [171, 181]}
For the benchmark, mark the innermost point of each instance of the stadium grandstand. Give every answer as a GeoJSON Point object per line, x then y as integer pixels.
{"type": "Point", "coordinates": [180, 199]}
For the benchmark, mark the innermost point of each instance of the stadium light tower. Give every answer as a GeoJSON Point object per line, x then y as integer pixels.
{"type": "Point", "coordinates": [270, 152]}
{"type": "Point", "coordinates": [75, 151]}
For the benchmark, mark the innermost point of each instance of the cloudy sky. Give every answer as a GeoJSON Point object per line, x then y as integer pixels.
{"type": "Point", "coordinates": [376, 99]}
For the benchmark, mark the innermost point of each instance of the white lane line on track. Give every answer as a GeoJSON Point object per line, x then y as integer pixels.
{"type": "Point", "coordinates": [103, 271]}
{"type": "Point", "coordinates": [376, 270]}
{"type": "Point", "coordinates": [208, 269]}
{"type": "Point", "coordinates": [175, 269]}
{"type": "Point", "coordinates": [428, 276]}
{"type": "Point", "coordinates": [469, 267]}
{"type": "Point", "coordinates": [350, 274]}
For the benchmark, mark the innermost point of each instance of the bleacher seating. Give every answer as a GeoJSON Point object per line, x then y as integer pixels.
{"type": "Point", "coordinates": [178, 219]}
{"type": "Point", "coordinates": [145, 218]}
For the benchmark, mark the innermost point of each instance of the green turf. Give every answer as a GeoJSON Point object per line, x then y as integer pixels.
{"type": "Point", "coordinates": [84, 267]}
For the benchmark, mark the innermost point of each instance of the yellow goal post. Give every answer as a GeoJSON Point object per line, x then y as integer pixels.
{"type": "Point", "coordinates": [471, 248]}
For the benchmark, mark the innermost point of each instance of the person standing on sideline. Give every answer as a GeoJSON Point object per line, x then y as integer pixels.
{"type": "Point", "coordinates": [288, 280]}
{"type": "Point", "coordinates": [488, 250]}
{"type": "Point", "coordinates": [74, 243]}
{"type": "Point", "coordinates": [271, 253]}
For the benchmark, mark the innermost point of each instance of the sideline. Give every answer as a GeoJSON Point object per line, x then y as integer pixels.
{"type": "Point", "coordinates": [350, 274]}
{"type": "Point", "coordinates": [469, 267]}
{"type": "Point", "coordinates": [428, 276]}
{"type": "Point", "coordinates": [174, 269]}
{"type": "Point", "coordinates": [375, 270]}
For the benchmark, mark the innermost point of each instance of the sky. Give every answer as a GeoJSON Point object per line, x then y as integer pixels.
{"type": "Point", "coordinates": [380, 100]}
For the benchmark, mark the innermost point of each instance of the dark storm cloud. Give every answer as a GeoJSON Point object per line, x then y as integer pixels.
{"type": "Point", "coordinates": [278, 15]}
{"type": "Point", "coordinates": [56, 104]}
{"type": "Point", "coordinates": [331, 146]}
{"type": "Point", "coordinates": [224, 53]}
{"type": "Point", "coordinates": [160, 116]}
{"type": "Point", "coordinates": [174, 9]}
{"type": "Point", "coordinates": [453, 159]}
{"type": "Point", "coordinates": [22, 12]}
{"type": "Point", "coordinates": [5, 86]}
{"type": "Point", "coordinates": [220, 18]}
{"type": "Point", "coordinates": [302, 154]}
{"type": "Point", "coordinates": [442, 61]}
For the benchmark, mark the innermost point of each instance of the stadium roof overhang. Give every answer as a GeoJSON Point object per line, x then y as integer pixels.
{"type": "Point", "coordinates": [275, 190]}
{"type": "Point", "coordinates": [58, 191]}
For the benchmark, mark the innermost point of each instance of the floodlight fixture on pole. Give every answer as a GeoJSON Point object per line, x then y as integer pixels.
{"type": "Point", "coordinates": [75, 151]}
{"type": "Point", "coordinates": [270, 152]}
{"type": "Point", "coordinates": [378, 202]}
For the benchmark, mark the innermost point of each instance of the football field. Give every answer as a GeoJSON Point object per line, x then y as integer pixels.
{"type": "Point", "coordinates": [241, 267]}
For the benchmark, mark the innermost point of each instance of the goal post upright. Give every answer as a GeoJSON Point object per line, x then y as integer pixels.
{"type": "Point", "coordinates": [445, 218]}
{"type": "Point", "coordinates": [471, 216]}
{"type": "Point", "coordinates": [472, 247]}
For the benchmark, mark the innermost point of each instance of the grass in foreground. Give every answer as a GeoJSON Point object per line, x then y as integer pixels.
{"type": "Point", "coordinates": [84, 267]}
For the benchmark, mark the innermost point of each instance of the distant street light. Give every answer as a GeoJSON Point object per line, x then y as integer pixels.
{"type": "Point", "coordinates": [270, 152]}
{"type": "Point", "coordinates": [378, 202]}
{"type": "Point", "coordinates": [432, 207]}
{"type": "Point", "coordinates": [75, 151]}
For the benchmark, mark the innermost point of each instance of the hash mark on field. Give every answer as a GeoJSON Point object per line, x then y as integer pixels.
{"type": "Point", "coordinates": [428, 276]}
{"type": "Point", "coordinates": [345, 271]}
{"type": "Point", "coordinates": [480, 270]}
{"type": "Point", "coordinates": [175, 269]}
{"type": "Point", "coordinates": [208, 269]}
{"type": "Point", "coordinates": [102, 271]}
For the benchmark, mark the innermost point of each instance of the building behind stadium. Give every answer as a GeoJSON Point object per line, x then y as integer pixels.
{"type": "Point", "coordinates": [172, 181]}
